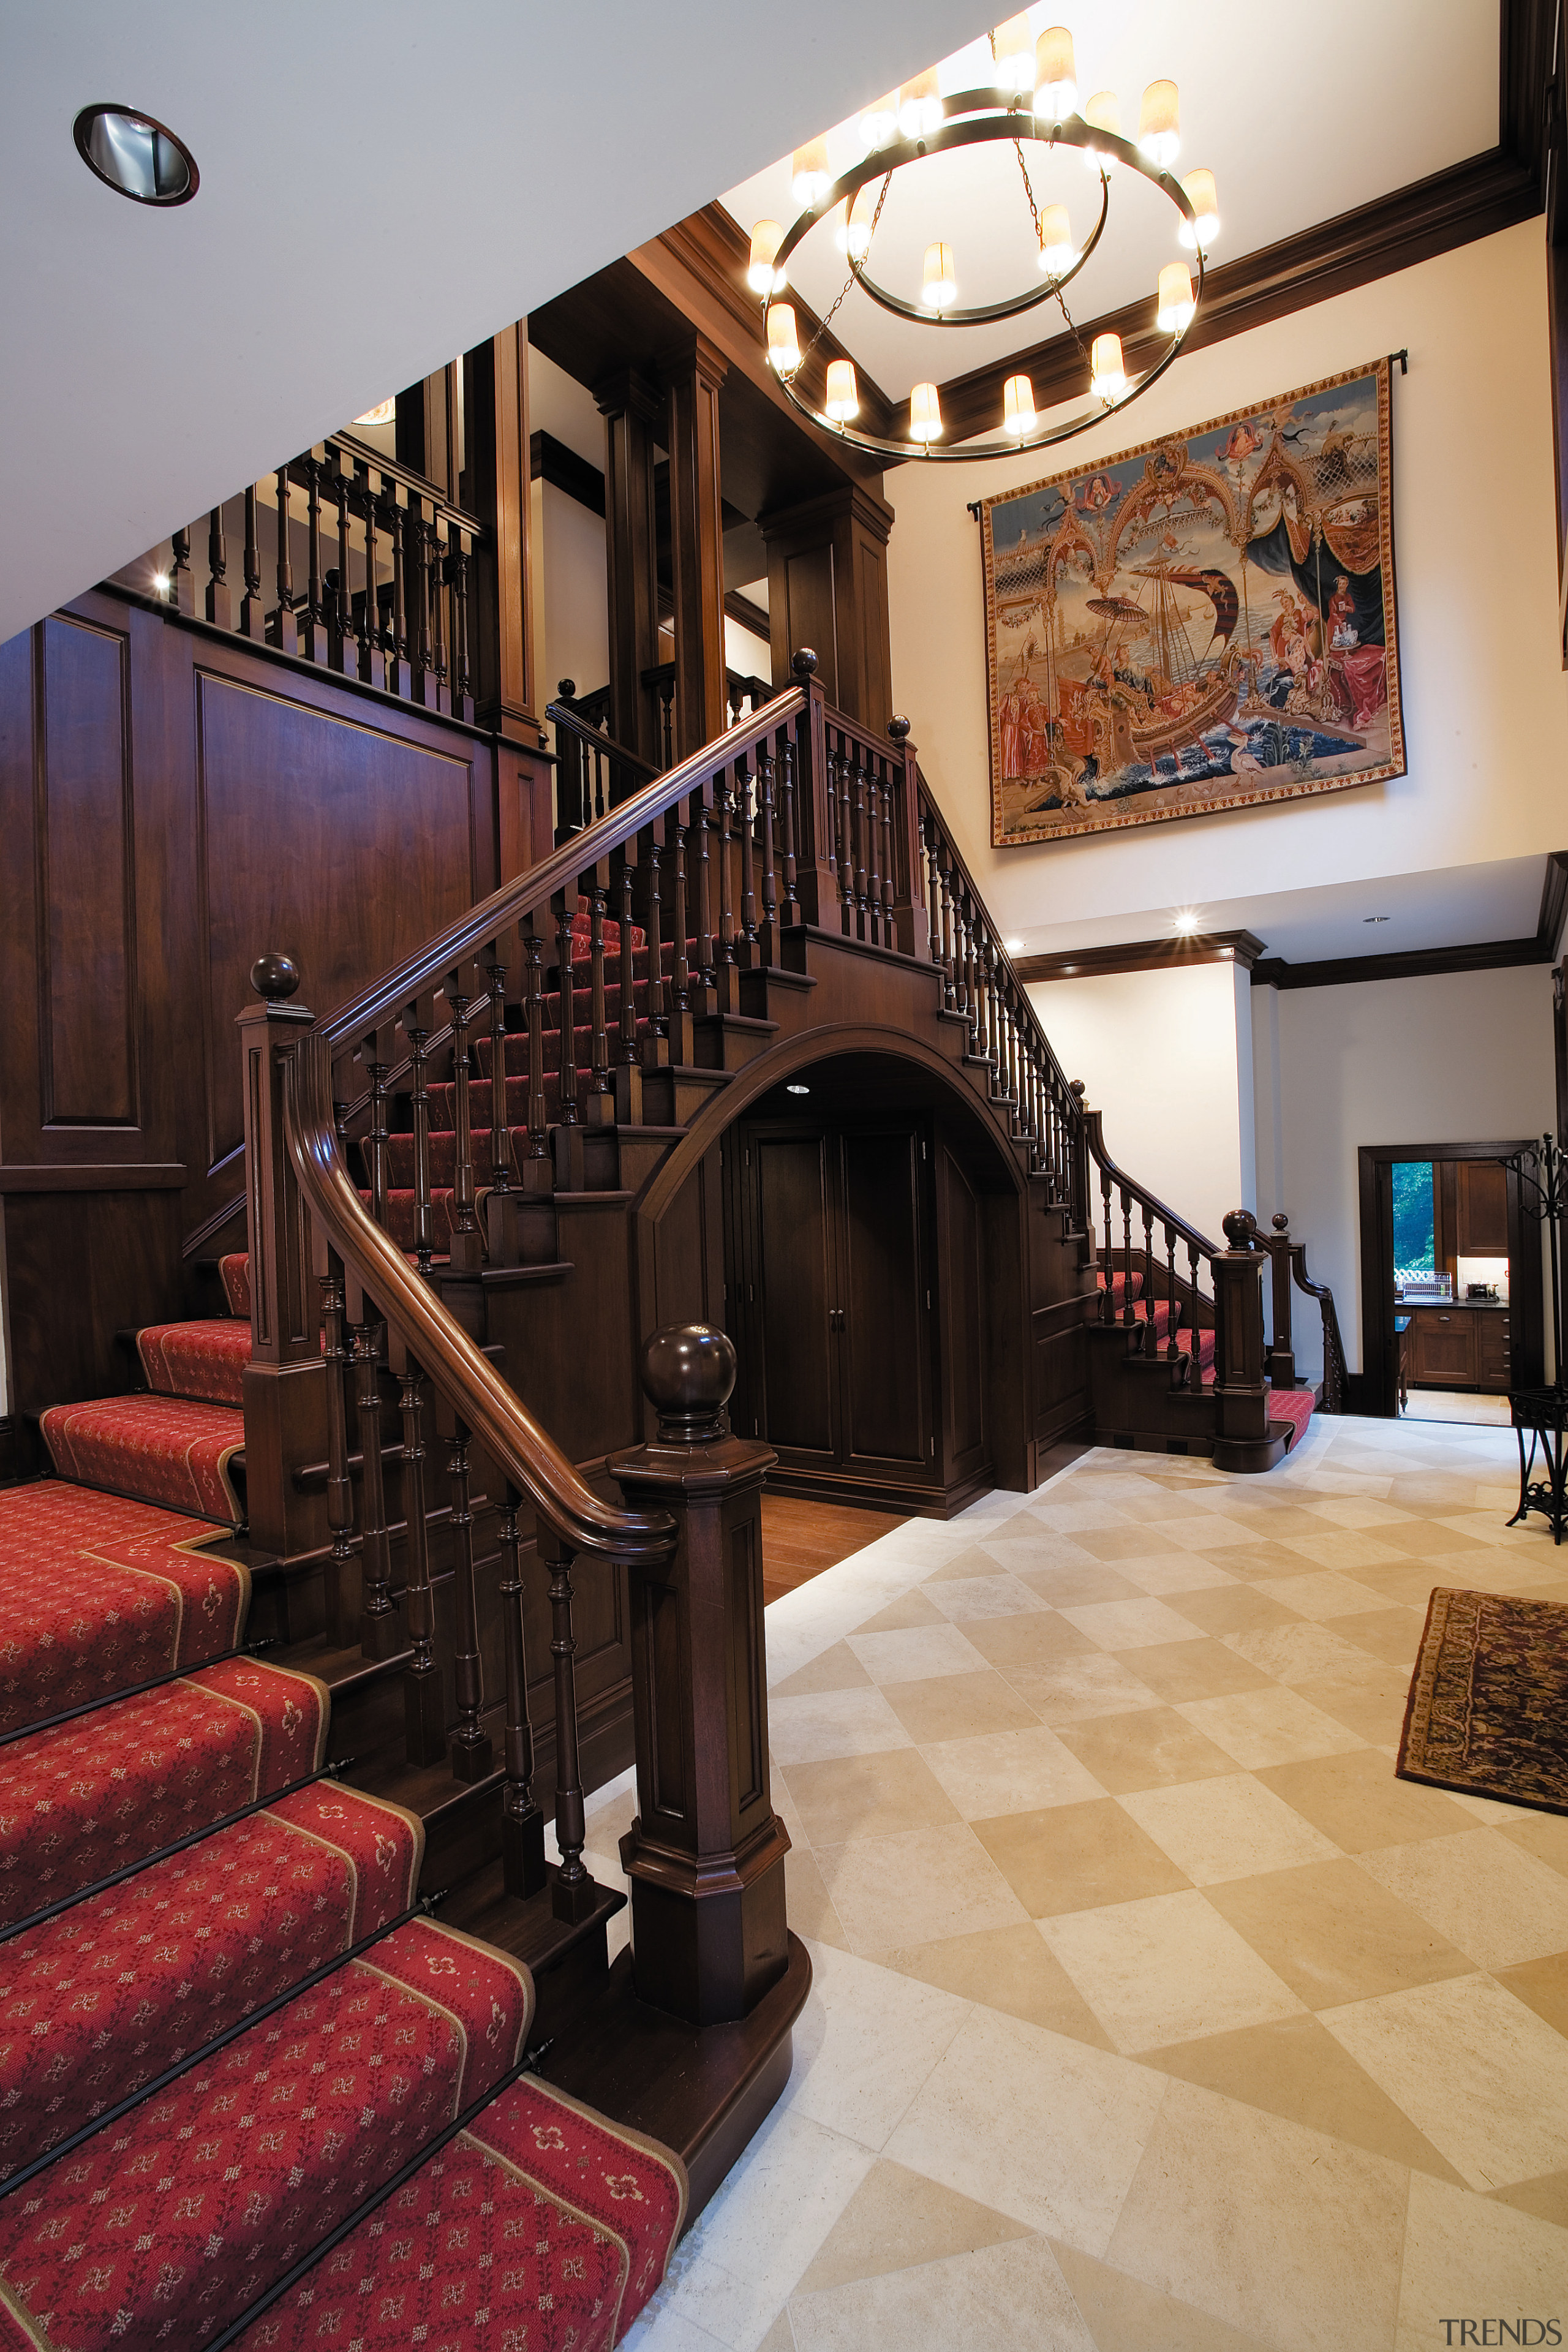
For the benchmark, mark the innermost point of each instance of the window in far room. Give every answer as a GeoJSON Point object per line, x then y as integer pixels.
{"type": "Point", "coordinates": [1414, 1219]}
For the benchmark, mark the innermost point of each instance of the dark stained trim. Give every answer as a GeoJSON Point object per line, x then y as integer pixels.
{"type": "Point", "coordinates": [551, 461]}
{"type": "Point", "coordinates": [1554, 906]}
{"type": "Point", "coordinates": [749, 616]}
{"type": "Point", "coordinates": [1142, 955]}
{"type": "Point", "coordinates": [1423, 963]}
{"type": "Point", "coordinates": [104, 1176]}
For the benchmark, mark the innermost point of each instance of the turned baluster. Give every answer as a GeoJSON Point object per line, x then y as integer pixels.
{"type": "Point", "coordinates": [628, 1044]}
{"type": "Point", "coordinates": [765, 767]}
{"type": "Point", "coordinates": [789, 877]}
{"type": "Point", "coordinates": [889, 935]}
{"type": "Point", "coordinates": [340, 1488]}
{"type": "Point", "coordinates": [980, 1043]}
{"type": "Point", "coordinates": [342, 652]}
{"type": "Point", "coordinates": [604, 1083]}
{"type": "Point", "coordinates": [371, 657]}
{"type": "Point", "coordinates": [1151, 1345]}
{"type": "Point", "coordinates": [1174, 1315]}
{"type": "Point", "coordinates": [1127, 1299]}
{"type": "Point", "coordinates": [523, 1823]}
{"type": "Point", "coordinates": [399, 675]}
{"type": "Point", "coordinates": [858, 837]}
{"type": "Point", "coordinates": [564, 908]}
{"type": "Point", "coordinates": [438, 697]}
{"type": "Point", "coordinates": [573, 1892]}
{"type": "Point", "coordinates": [746, 821]}
{"type": "Point", "coordinates": [376, 1140]}
{"type": "Point", "coordinates": [1107, 1296]}
{"type": "Point", "coordinates": [462, 687]}
{"type": "Point", "coordinates": [219, 596]}
{"type": "Point", "coordinates": [464, 1247]}
{"type": "Point", "coordinates": [424, 1708]}
{"type": "Point", "coordinates": [250, 614]}
{"type": "Point", "coordinates": [419, 588]}
{"type": "Point", "coordinates": [497, 1209]}
{"type": "Point", "coordinates": [726, 957]}
{"type": "Point", "coordinates": [658, 997]}
{"type": "Point", "coordinates": [1195, 1328]}
{"type": "Point", "coordinates": [533, 1015]}
{"type": "Point", "coordinates": [285, 640]}
{"type": "Point", "coordinates": [472, 1748]}
{"type": "Point", "coordinates": [706, 957]}
{"type": "Point", "coordinates": [417, 1024]}
{"type": "Point", "coordinates": [182, 585]}
{"type": "Point", "coordinates": [971, 965]}
{"type": "Point", "coordinates": [952, 979]}
{"type": "Point", "coordinates": [380, 1632]}
{"type": "Point", "coordinates": [873, 835]}
{"type": "Point", "coordinates": [846, 839]}
{"type": "Point", "coordinates": [314, 635]}
{"type": "Point", "coordinates": [681, 975]}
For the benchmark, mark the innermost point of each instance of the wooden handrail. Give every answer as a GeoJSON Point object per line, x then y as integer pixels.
{"type": "Point", "coordinates": [526, 893]}
{"type": "Point", "coordinates": [1140, 1192]}
{"type": "Point", "coordinates": [597, 738]}
{"type": "Point", "coordinates": [494, 1412]}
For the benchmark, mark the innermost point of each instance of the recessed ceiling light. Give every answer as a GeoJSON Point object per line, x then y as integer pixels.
{"type": "Point", "coordinates": [794, 1087]}
{"type": "Point", "coordinates": [1013, 946]}
{"type": "Point", "coordinates": [1374, 918]}
{"type": "Point", "coordinates": [159, 583]}
{"type": "Point", "coordinates": [1186, 919]}
{"type": "Point", "coordinates": [131, 153]}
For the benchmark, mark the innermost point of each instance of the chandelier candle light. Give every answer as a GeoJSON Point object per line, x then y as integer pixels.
{"type": "Point", "coordinates": [1032, 100]}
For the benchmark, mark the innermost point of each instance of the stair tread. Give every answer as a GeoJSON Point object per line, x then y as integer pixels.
{"type": "Point", "coordinates": [174, 1451]}
{"type": "Point", "coordinates": [203, 1359]}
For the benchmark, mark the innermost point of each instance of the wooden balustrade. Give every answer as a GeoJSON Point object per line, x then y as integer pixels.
{"type": "Point", "coordinates": [386, 564]}
{"type": "Point", "coordinates": [1288, 1270]}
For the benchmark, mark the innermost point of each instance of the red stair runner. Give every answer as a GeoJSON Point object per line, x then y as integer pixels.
{"type": "Point", "coordinates": [169, 1450]}
{"type": "Point", "coordinates": [1294, 1405]}
{"type": "Point", "coordinates": [234, 1271]}
{"type": "Point", "coordinates": [108, 1788]}
{"type": "Point", "coordinates": [539, 2225]}
{"type": "Point", "coordinates": [96, 2003]}
{"type": "Point", "coordinates": [197, 1360]}
{"type": "Point", "coordinates": [164, 2228]}
{"type": "Point", "coordinates": [98, 1594]}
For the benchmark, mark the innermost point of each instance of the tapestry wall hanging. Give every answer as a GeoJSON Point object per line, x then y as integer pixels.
{"type": "Point", "coordinates": [1205, 623]}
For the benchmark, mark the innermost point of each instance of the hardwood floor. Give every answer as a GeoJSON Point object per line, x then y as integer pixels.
{"type": "Point", "coordinates": [801, 1538]}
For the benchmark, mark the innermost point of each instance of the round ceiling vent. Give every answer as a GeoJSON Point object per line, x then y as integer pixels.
{"type": "Point", "coordinates": [132, 153]}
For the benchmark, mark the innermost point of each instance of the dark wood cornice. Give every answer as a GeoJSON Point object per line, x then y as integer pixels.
{"type": "Point", "coordinates": [1470, 200]}
{"type": "Point", "coordinates": [1143, 955]}
{"type": "Point", "coordinates": [854, 499]}
{"type": "Point", "coordinates": [749, 616]}
{"type": "Point", "coordinates": [553, 462]}
{"type": "Point", "coordinates": [1411, 963]}
{"type": "Point", "coordinates": [1554, 906]}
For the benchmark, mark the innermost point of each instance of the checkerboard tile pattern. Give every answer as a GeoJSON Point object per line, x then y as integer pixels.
{"type": "Point", "coordinates": [1152, 2009]}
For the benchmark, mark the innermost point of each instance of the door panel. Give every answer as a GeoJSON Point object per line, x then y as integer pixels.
{"type": "Point", "coordinates": [883, 1287]}
{"type": "Point", "coordinates": [793, 1241]}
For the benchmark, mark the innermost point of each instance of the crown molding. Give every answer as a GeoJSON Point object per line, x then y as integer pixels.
{"type": "Point", "coordinates": [1142, 955]}
{"type": "Point", "coordinates": [1426, 963]}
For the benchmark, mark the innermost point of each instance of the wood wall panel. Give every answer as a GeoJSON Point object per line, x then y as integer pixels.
{"type": "Point", "coordinates": [380, 854]}
{"type": "Point", "coordinates": [85, 879]}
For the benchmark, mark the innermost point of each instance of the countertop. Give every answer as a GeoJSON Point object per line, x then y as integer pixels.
{"type": "Point", "coordinates": [1447, 1306]}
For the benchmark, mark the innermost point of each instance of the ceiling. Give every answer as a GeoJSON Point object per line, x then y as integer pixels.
{"type": "Point", "coordinates": [382, 186]}
{"type": "Point", "coordinates": [1300, 117]}
{"type": "Point", "coordinates": [1455, 905]}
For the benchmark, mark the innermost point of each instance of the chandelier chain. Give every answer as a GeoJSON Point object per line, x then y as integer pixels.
{"type": "Point", "coordinates": [823, 324]}
{"type": "Point", "coordinates": [1039, 238]}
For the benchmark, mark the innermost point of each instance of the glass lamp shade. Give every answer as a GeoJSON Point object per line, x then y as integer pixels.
{"type": "Point", "coordinates": [1159, 124]}
{"type": "Point", "coordinates": [939, 290]}
{"type": "Point", "coordinates": [384, 412]}
{"type": "Point", "coordinates": [762, 276]}
{"type": "Point", "coordinates": [1018, 406]}
{"type": "Point", "coordinates": [1103, 113]}
{"type": "Point", "coordinates": [810, 177]}
{"type": "Point", "coordinates": [1057, 252]}
{"type": "Point", "coordinates": [878, 123]}
{"type": "Point", "coordinates": [1199, 189]}
{"type": "Point", "coordinates": [919, 105]}
{"type": "Point", "coordinates": [852, 223]}
{"type": "Point", "coordinates": [843, 400]}
{"type": "Point", "coordinates": [1107, 375]}
{"type": "Point", "coordinates": [1013, 45]}
{"type": "Point", "coordinates": [925, 414]}
{"type": "Point", "coordinates": [784, 339]}
{"type": "Point", "coordinates": [1056, 75]}
{"type": "Point", "coordinates": [1176, 299]}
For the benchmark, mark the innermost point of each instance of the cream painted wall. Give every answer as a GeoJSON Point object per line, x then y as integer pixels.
{"type": "Point", "coordinates": [1465, 1057]}
{"type": "Point", "coordinates": [1485, 699]}
{"type": "Point", "coordinates": [1166, 1056]}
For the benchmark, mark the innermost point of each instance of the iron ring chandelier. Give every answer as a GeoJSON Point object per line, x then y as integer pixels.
{"type": "Point", "coordinates": [974, 118]}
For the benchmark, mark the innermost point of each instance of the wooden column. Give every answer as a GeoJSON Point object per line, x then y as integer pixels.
{"type": "Point", "coordinates": [284, 1393]}
{"type": "Point", "coordinates": [1241, 1434]}
{"type": "Point", "coordinates": [506, 692]}
{"type": "Point", "coordinates": [631, 408]}
{"type": "Point", "coordinates": [705, 1854]}
{"type": "Point", "coordinates": [694, 379]}
{"type": "Point", "coordinates": [828, 588]}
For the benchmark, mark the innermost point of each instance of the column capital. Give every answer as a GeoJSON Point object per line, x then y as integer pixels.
{"type": "Point", "coordinates": [694, 356]}
{"type": "Point", "coordinates": [627, 391]}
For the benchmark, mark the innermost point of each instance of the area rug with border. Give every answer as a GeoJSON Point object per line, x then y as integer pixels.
{"type": "Point", "coordinates": [195, 2202]}
{"type": "Point", "coordinates": [99, 2000]}
{"type": "Point", "coordinates": [1488, 1713]}
{"type": "Point", "coordinates": [83, 1798]}
{"type": "Point", "coordinates": [99, 1593]}
{"type": "Point", "coordinates": [539, 2225]}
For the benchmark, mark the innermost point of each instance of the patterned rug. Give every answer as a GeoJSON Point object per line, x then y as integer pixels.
{"type": "Point", "coordinates": [1489, 1702]}
{"type": "Point", "coordinates": [99, 2001]}
{"type": "Point", "coordinates": [540, 2226]}
{"type": "Point", "coordinates": [166, 1450]}
{"type": "Point", "coordinates": [99, 1593]}
{"type": "Point", "coordinates": [204, 1360]}
{"type": "Point", "coordinates": [161, 2230]}
{"type": "Point", "coordinates": [82, 1800]}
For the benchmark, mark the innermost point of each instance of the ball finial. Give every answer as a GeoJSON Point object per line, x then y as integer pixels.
{"type": "Point", "coordinates": [805, 664]}
{"type": "Point", "coordinates": [275, 977]}
{"type": "Point", "coordinates": [1279, 1221]}
{"type": "Point", "coordinates": [688, 1372]}
{"type": "Point", "coordinates": [1239, 1227]}
{"type": "Point", "coordinates": [898, 728]}
{"type": "Point", "coordinates": [566, 688]}
{"type": "Point", "coordinates": [1076, 1086]}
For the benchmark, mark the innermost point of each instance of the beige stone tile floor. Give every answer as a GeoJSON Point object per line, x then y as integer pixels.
{"type": "Point", "coordinates": [1151, 2011]}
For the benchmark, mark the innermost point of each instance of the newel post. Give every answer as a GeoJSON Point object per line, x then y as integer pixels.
{"type": "Point", "coordinates": [705, 1854]}
{"type": "Point", "coordinates": [1281, 1363]}
{"type": "Point", "coordinates": [910, 910]}
{"type": "Point", "coordinates": [285, 1406]}
{"type": "Point", "coordinates": [1242, 1441]}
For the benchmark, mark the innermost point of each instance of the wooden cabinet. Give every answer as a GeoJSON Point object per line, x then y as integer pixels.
{"type": "Point", "coordinates": [1493, 1353]}
{"type": "Point", "coordinates": [1460, 1348]}
{"type": "Point", "coordinates": [1482, 1205]}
